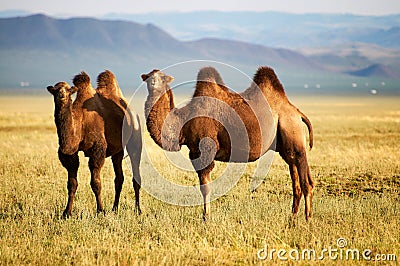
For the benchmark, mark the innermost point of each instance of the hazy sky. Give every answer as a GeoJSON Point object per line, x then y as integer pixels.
{"type": "Point", "coordinates": [100, 7]}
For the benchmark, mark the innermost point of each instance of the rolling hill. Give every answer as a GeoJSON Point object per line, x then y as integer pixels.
{"type": "Point", "coordinates": [377, 70]}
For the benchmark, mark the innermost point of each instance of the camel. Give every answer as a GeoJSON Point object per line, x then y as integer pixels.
{"type": "Point", "coordinates": [211, 137]}
{"type": "Point", "coordinates": [93, 123]}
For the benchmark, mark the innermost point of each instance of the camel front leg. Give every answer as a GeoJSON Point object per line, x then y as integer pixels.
{"type": "Point", "coordinates": [202, 157]}
{"type": "Point", "coordinates": [205, 179]}
{"type": "Point", "coordinates": [71, 163]}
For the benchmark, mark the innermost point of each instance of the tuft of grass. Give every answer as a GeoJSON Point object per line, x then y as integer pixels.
{"type": "Point", "coordinates": [354, 163]}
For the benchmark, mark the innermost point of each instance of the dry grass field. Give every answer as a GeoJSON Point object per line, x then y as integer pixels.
{"type": "Point", "coordinates": [355, 163]}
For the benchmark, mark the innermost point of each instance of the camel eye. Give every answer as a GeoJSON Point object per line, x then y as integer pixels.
{"type": "Point", "coordinates": [156, 81]}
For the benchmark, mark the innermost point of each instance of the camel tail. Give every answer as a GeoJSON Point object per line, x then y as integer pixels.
{"type": "Point", "coordinates": [306, 121]}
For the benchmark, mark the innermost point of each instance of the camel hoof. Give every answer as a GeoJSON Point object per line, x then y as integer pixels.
{"type": "Point", "coordinates": [66, 215]}
{"type": "Point", "coordinates": [101, 211]}
{"type": "Point", "coordinates": [292, 220]}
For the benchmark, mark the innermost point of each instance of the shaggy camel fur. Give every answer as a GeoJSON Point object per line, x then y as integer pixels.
{"type": "Point", "coordinates": [93, 123]}
{"type": "Point", "coordinates": [171, 127]}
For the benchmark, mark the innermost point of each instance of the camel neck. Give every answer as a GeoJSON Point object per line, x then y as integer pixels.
{"type": "Point", "coordinates": [161, 104]}
{"type": "Point", "coordinates": [64, 120]}
{"type": "Point", "coordinates": [157, 108]}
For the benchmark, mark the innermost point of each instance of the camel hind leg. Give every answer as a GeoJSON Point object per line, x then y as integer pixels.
{"type": "Point", "coordinates": [306, 182]}
{"type": "Point", "coordinates": [134, 149]}
{"type": "Point", "coordinates": [119, 177]}
{"type": "Point", "coordinates": [301, 180]}
{"type": "Point", "coordinates": [292, 147]}
{"type": "Point", "coordinates": [294, 175]}
{"type": "Point", "coordinates": [96, 161]}
{"type": "Point", "coordinates": [296, 188]}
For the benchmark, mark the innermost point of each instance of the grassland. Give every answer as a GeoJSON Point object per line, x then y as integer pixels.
{"type": "Point", "coordinates": [355, 163]}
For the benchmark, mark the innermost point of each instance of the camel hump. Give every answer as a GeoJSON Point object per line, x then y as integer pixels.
{"type": "Point", "coordinates": [209, 73]}
{"type": "Point", "coordinates": [81, 80]}
{"type": "Point", "coordinates": [107, 84]}
{"type": "Point", "coordinates": [267, 74]}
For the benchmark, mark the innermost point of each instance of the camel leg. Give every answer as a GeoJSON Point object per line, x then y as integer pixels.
{"type": "Point", "coordinates": [136, 187]}
{"type": "Point", "coordinates": [96, 162]}
{"type": "Point", "coordinates": [135, 151]}
{"type": "Point", "coordinates": [294, 175]}
{"type": "Point", "coordinates": [291, 146]}
{"type": "Point", "coordinates": [119, 177]}
{"type": "Point", "coordinates": [71, 163]}
{"type": "Point", "coordinates": [296, 189]}
{"type": "Point", "coordinates": [136, 180]}
{"type": "Point", "coordinates": [310, 182]}
{"type": "Point", "coordinates": [203, 162]}
{"type": "Point", "coordinates": [205, 179]}
{"type": "Point", "coordinates": [306, 182]}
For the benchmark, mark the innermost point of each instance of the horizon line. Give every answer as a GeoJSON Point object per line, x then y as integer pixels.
{"type": "Point", "coordinates": [21, 13]}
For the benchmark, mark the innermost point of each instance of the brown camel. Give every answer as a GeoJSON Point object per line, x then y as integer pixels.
{"type": "Point", "coordinates": [93, 123]}
{"type": "Point", "coordinates": [208, 127]}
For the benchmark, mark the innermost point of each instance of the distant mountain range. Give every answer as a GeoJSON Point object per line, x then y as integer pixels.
{"type": "Point", "coordinates": [40, 50]}
{"type": "Point", "coordinates": [276, 29]}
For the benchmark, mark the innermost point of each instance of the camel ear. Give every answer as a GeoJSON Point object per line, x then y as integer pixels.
{"type": "Point", "coordinates": [169, 79]}
{"type": "Point", "coordinates": [51, 89]}
{"type": "Point", "coordinates": [73, 89]}
{"type": "Point", "coordinates": [144, 77]}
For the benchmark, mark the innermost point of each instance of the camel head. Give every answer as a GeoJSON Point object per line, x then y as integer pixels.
{"type": "Point", "coordinates": [62, 93]}
{"type": "Point", "coordinates": [157, 82]}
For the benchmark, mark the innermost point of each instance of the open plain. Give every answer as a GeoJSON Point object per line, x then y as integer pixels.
{"type": "Point", "coordinates": [354, 162]}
